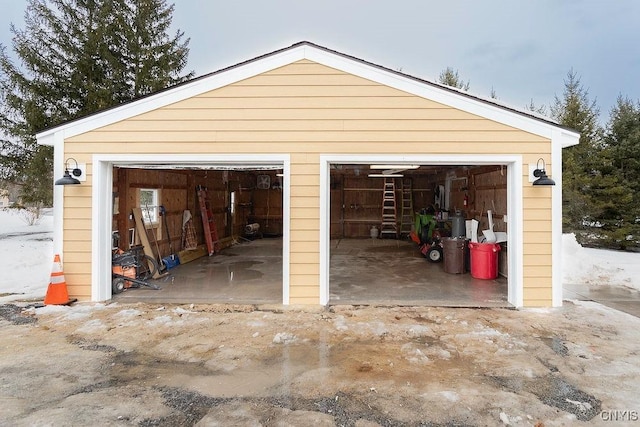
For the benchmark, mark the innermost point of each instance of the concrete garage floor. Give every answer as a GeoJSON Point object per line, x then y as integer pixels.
{"type": "Point", "coordinates": [385, 271]}
{"type": "Point", "coordinates": [246, 273]}
{"type": "Point", "coordinates": [363, 271]}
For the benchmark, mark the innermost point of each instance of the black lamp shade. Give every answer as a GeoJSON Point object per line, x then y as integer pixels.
{"type": "Point", "coordinates": [67, 179]}
{"type": "Point", "coordinates": [543, 179]}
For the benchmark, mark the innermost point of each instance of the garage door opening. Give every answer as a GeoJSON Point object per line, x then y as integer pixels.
{"type": "Point", "coordinates": [391, 233]}
{"type": "Point", "coordinates": [164, 216]}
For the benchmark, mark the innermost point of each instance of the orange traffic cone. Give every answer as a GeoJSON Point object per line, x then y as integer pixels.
{"type": "Point", "coordinates": [57, 291]}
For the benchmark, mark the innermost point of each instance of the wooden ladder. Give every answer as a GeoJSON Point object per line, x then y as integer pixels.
{"type": "Point", "coordinates": [208, 224]}
{"type": "Point", "coordinates": [389, 226]}
{"type": "Point", "coordinates": [406, 220]}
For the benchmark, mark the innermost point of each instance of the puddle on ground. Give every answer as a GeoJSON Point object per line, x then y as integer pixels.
{"type": "Point", "coordinates": [283, 377]}
{"type": "Point", "coordinates": [133, 366]}
{"type": "Point", "coordinates": [279, 366]}
{"type": "Point", "coordinates": [554, 391]}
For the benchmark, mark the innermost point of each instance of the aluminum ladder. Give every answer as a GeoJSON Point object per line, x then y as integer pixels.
{"type": "Point", "coordinates": [389, 226]}
{"type": "Point", "coordinates": [406, 220]}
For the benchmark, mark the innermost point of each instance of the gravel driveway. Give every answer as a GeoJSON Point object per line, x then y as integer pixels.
{"type": "Point", "coordinates": [222, 365]}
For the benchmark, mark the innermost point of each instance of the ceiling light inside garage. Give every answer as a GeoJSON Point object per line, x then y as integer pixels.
{"type": "Point", "coordinates": [403, 167]}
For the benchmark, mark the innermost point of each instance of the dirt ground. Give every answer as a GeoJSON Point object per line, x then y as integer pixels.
{"type": "Point", "coordinates": [219, 365]}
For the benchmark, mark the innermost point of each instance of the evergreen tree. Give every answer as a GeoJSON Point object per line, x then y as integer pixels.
{"type": "Point", "coordinates": [622, 140]}
{"type": "Point", "coordinates": [450, 77]}
{"type": "Point", "coordinates": [154, 59]}
{"type": "Point", "coordinates": [617, 190]}
{"type": "Point", "coordinates": [77, 57]}
{"type": "Point", "coordinates": [542, 109]}
{"type": "Point", "coordinates": [576, 111]}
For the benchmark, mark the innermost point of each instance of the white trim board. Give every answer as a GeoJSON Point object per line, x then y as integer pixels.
{"type": "Point", "coordinates": [309, 51]}
{"type": "Point", "coordinates": [556, 228]}
{"type": "Point", "coordinates": [102, 207]}
{"type": "Point", "coordinates": [514, 208]}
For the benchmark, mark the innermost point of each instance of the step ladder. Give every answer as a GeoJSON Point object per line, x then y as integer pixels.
{"type": "Point", "coordinates": [208, 224]}
{"type": "Point", "coordinates": [406, 220]}
{"type": "Point", "coordinates": [389, 226]}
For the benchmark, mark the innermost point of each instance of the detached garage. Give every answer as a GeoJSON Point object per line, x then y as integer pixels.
{"type": "Point", "coordinates": [307, 176]}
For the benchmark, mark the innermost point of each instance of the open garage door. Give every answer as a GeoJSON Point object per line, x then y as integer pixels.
{"type": "Point", "coordinates": [401, 233]}
{"type": "Point", "coordinates": [240, 206]}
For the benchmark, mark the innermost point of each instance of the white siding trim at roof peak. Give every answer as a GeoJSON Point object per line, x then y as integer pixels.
{"type": "Point", "coordinates": [324, 57]}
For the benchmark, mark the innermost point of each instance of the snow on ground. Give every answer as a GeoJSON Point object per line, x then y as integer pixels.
{"type": "Point", "coordinates": [590, 266]}
{"type": "Point", "coordinates": [26, 253]}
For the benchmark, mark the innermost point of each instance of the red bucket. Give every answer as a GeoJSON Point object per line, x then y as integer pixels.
{"type": "Point", "coordinates": [484, 260]}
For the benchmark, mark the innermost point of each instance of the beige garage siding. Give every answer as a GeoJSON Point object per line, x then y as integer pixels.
{"type": "Point", "coordinates": [307, 109]}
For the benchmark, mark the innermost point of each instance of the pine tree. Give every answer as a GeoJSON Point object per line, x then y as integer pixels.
{"type": "Point", "coordinates": [155, 58]}
{"type": "Point", "coordinates": [619, 202]}
{"type": "Point", "coordinates": [622, 139]}
{"type": "Point", "coordinates": [576, 111]}
{"type": "Point", "coordinates": [542, 109]}
{"type": "Point", "coordinates": [77, 57]}
{"type": "Point", "coordinates": [450, 77]}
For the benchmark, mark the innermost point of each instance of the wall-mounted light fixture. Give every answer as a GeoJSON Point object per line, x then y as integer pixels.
{"type": "Point", "coordinates": [67, 179]}
{"type": "Point", "coordinates": [541, 174]}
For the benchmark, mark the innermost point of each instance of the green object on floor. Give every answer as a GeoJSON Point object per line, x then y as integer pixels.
{"type": "Point", "coordinates": [425, 220]}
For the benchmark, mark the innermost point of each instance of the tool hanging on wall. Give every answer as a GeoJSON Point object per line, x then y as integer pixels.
{"type": "Point", "coordinates": [155, 239]}
{"type": "Point", "coordinates": [170, 260]}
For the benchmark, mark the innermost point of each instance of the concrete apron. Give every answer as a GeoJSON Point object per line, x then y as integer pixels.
{"type": "Point", "coordinates": [617, 297]}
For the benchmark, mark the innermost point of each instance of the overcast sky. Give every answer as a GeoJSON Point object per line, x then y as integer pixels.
{"type": "Point", "coordinates": [521, 49]}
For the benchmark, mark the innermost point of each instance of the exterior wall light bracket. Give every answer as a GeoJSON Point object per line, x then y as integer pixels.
{"type": "Point", "coordinates": [70, 174]}
{"type": "Point", "coordinates": [541, 174]}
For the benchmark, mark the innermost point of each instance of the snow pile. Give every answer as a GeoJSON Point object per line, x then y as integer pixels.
{"type": "Point", "coordinates": [26, 253]}
{"type": "Point", "coordinates": [590, 266]}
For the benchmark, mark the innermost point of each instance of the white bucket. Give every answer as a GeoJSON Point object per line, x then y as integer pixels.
{"type": "Point", "coordinates": [374, 232]}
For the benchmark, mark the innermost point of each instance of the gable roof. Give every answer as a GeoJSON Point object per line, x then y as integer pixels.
{"type": "Point", "coordinates": [453, 97]}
